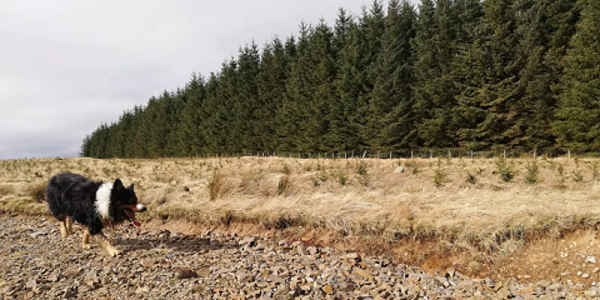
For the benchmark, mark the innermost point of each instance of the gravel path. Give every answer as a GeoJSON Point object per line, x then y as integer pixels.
{"type": "Point", "coordinates": [37, 263]}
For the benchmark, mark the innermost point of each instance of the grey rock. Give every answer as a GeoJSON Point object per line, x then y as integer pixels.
{"type": "Point", "coordinates": [399, 170]}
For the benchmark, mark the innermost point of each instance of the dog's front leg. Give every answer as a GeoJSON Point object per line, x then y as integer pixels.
{"type": "Point", "coordinates": [105, 243]}
{"type": "Point", "coordinates": [85, 242]}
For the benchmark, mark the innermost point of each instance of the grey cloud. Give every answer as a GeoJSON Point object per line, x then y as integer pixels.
{"type": "Point", "coordinates": [68, 66]}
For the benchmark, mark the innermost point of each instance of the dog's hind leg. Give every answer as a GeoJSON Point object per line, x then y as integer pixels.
{"type": "Point", "coordinates": [105, 243]}
{"type": "Point", "coordinates": [69, 226]}
{"type": "Point", "coordinates": [63, 228]}
{"type": "Point", "coordinates": [85, 242]}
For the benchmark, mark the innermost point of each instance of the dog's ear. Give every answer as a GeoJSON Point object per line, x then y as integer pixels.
{"type": "Point", "coordinates": [130, 187]}
{"type": "Point", "coordinates": [118, 185]}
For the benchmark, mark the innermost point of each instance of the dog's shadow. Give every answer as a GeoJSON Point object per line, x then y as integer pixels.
{"type": "Point", "coordinates": [177, 243]}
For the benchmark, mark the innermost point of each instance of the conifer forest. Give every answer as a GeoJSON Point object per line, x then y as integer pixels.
{"type": "Point", "coordinates": [465, 75]}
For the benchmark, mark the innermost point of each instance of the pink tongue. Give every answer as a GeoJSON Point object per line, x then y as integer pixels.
{"type": "Point", "coordinates": [131, 215]}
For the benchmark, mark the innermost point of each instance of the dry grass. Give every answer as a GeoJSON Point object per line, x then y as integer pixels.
{"type": "Point", "coordinates": [484, 204]}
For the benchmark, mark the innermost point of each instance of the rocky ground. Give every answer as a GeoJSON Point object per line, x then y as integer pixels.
{"type": "Point", "coordinates": [36, 263]}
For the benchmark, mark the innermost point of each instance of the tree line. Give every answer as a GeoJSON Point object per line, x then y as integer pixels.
{"type": "Point", "coordinates": [448, 74]}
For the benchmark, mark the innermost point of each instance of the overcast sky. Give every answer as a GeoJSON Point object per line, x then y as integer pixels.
{"type": "Point", "coordinates": [68, 66]}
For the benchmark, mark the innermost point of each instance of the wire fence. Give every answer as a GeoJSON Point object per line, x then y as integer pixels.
{"type": "Point", "coordinates": [404, 154]}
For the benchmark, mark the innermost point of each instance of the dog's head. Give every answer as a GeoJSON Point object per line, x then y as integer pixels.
{"type": "Point", "coordinates": [124, 204]}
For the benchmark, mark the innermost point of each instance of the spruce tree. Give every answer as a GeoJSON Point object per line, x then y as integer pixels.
{"type": "Point", "coordinates": [274, 71]}
{"type": "Point", "coordinates": [245, 107]}
{"type": "Point", "coordinates": [286, 118]}
{"type": "Point", "coordinates": [488, 113]}
{"type": "Point", "coordinates": [544, 28]}
{"type": "Point", "coordinates": [373, 25]}
{"type": "Point", "coordinates": [299, 91]}
{"type": "Point", "coordinates": [440, 35]}
{"type": "Point", "coordinates": [213, 116]}
{"type": "Point", "coordinates": [190, 138]}
{"type": "Point", "coordinates": [391, 123]}
{"type": "Point", "coordinates": [348, 85]}
{"type": "Point", "coordinates": [578, 117]}
{"type": "Point", "coordinates": [320, 77]}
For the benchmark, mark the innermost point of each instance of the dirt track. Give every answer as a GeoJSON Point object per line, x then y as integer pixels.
{"type": "Point", "coordinates": [37, 263]}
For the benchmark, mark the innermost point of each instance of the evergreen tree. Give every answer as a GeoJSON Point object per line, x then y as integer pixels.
{"type": "Point", "coordinates": [342, 24]}
{"type": "Point", "coordinates": [348, 84]}
{"type": "Point", "coordinates": [85, 149]}
{"type": "Point", "coordinates": [299, 90]}
{"type": "Point", "coordinates": [578, 123]}
{"type": "Point", "coordinates": [137, 147]}
{"type": "Point", "coordinates": [213, 115]}
{"type": "Point", "coordinates": [373, 25]}
{"type": "Point", "coordinates": [391, 124]}
{"type": "Point", "coordinates": [440, 35]}
{"type": "Point", "coordinates": [190, 134]}
{"type": "Point", "coordinates": [542, 27]}
{"type": "Point", "coordinates": [320, 77]}
{"type": "Point", "coordinates": [274, 71]}
{"type": "Point", "coordinates": [490, 90]}
{"type": "Point", "coordinates": [286, 118]}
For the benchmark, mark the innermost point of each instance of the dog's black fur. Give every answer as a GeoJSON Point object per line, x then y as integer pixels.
{"type": "Point", "coordinates": [74, 196]}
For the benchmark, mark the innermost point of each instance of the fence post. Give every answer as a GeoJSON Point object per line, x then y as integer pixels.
{"type": "Point", "coordinates": [569, 151]}
{"type": "Point", "coordinates": [471, 154]}
{"type": "Point", "coordinates": [378, 154]}
{"type": "Point", "coordinates": [345, 155]}
{"type": "Point", "coordinates": [411, 154]}
{"type": "Point", "coordinates": [430, 154]}
{"type": "Point", "coordinates": [365, 154]}
{"type": "Point", "coordinates": [504, 154]}
{"type": "Point", "coordinates": [534, 154]}
{"type": "Point", "coordinates": [449, 154]}
{"type": "Point", "coordinates": [390, 154]}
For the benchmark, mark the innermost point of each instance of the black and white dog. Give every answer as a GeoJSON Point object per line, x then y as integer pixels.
{"type": "Point", "coordinates": [72, 197]}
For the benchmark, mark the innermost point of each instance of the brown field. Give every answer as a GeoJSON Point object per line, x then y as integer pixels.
{"type": "Point", "coordinates": [492, 217]}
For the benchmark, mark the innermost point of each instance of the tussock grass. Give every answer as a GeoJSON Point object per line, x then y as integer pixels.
{"type": "Point", "coordinates": [284, 184]}
{"type": "Point", "coordinates": [353, 197]}
{"type": "Point", "coordinates": [37, 191]}
{"type": "Point", "coordinates": [6, 189]}
{"type": "Point", "coordinates": [215, 185]}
